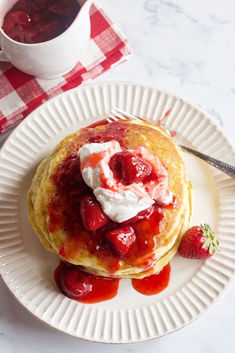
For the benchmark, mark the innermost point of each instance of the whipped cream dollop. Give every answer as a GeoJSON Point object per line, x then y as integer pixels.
{"type": "Point", "coordinates": [121, 202]}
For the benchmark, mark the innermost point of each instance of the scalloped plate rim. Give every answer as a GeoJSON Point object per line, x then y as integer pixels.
{"type": "Point", "coordinates": [205, 114]}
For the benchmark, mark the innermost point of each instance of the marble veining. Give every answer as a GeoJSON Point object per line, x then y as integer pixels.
{"type": "Point", "coordinates": [186, 47]}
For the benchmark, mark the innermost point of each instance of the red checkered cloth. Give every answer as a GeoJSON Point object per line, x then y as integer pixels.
{"type": "Point", "coordinates": [21, 93]}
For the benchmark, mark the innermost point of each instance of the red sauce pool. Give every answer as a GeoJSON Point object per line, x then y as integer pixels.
{"type": "Point", "coordinates": [153, 284]}
{"type": "Point", "coordinates": [87, 288]}
{"type": "Point", "coordinates": [84, 287]}
{"type": "Point", "coordinates": [36, 21]}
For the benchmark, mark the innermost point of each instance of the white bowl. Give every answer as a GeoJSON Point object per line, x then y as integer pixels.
{"type": "Point", "coordinates": [51, 59]}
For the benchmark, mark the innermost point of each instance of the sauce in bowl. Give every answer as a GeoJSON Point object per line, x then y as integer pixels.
{"type": "Point", "coordinates": [36, 21]}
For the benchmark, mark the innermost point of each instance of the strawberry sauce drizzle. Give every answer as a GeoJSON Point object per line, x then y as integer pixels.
{"type": "Point", "coordinates": [153, 284]}
{"type": "Point", "coordinates": [64, 213]}
{"type": "Point", "coordinates": [93, 160]}
{"type": "Point", "coordinates": [84, 287]}
{"type": "Point", "coordinates": [87, 288]}
{"type": "Point", "coordinates": [162, 120]}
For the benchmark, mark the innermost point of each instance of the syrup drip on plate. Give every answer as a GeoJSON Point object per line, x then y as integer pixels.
{"type": "Point", "coordinates": [84, 287]}
{"type": "Point", "coordinates": [153, 284]}
{"type": "Point", "coordinates": [87, 288]}
{"type": "Point", "coordinates": [162, 120]}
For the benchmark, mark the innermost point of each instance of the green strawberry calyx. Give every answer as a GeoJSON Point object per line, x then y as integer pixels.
{"type": "Point", "coordinates": [211, 242]}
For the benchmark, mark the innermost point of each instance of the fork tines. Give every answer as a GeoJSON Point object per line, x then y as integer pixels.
{"type": "Point", "coordinates": [118, 114]}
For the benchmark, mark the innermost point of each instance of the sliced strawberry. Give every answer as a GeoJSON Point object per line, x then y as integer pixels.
{"type": "Point", "coordinates": [121, 239]}
{"type": "Point", "coordinates": [92, 214]}
{"type": "Point", "coordinates": [129, 168]}
{"type": "Point", "coordinates": [198, 243]}
{"type": "Point", "coordinates": [74, 283]}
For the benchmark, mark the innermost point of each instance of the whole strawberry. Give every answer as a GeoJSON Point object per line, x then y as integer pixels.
{"type": "Point", "coordinates": [198, 243]}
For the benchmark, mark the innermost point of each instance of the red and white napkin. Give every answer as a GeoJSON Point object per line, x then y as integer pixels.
{"type": "Point", "coordinates": [21, 93]}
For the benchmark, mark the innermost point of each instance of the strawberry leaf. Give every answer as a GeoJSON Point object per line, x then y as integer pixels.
{"type": "Point", "coordinates": [207, 227]}
{"type": "Point", "coordinates": [211, 249]}
{"type": "Point", "coordinates": [210, 239]}
{"type": "Point", "coordinates": [206, 243]}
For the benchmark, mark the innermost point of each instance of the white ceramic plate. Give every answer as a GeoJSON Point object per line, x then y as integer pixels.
{"type": "Point", "coordinates": [27, 268]}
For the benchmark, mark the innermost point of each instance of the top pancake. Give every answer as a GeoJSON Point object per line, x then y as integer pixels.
{"type": "Point", "coordinates": [131, 134]}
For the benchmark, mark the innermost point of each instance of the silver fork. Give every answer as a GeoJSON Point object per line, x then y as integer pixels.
{"type": "Point", "coordinates": [118, 114]}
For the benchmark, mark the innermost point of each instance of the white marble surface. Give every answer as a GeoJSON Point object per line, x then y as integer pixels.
{"type": "Point", "coordinates": [187, 47]}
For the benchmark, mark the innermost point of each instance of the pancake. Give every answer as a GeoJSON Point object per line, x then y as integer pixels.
{"type": "Point", "coordinates": [49, 213]}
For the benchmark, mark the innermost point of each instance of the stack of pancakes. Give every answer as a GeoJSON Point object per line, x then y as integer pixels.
{"type": "Point", "coordinates": [175, 222]}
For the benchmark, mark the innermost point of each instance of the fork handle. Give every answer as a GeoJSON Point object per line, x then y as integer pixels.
{"type": "Point", "coordinates": [224, 167]}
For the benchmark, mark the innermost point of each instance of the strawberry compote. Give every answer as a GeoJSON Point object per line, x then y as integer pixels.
{"type": "Point", "coordinates": [87, 288]}
{"type": "Point", "coordinates": [36, 21]}
{"type": "Point", "coordinates": [65, 213]}
{"type": "Point", "coordinates": [153, 284]}
{"type": "Point", "coordinates": [84, 287]}
{"type": "Point", "coordinates": [75, 210]}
